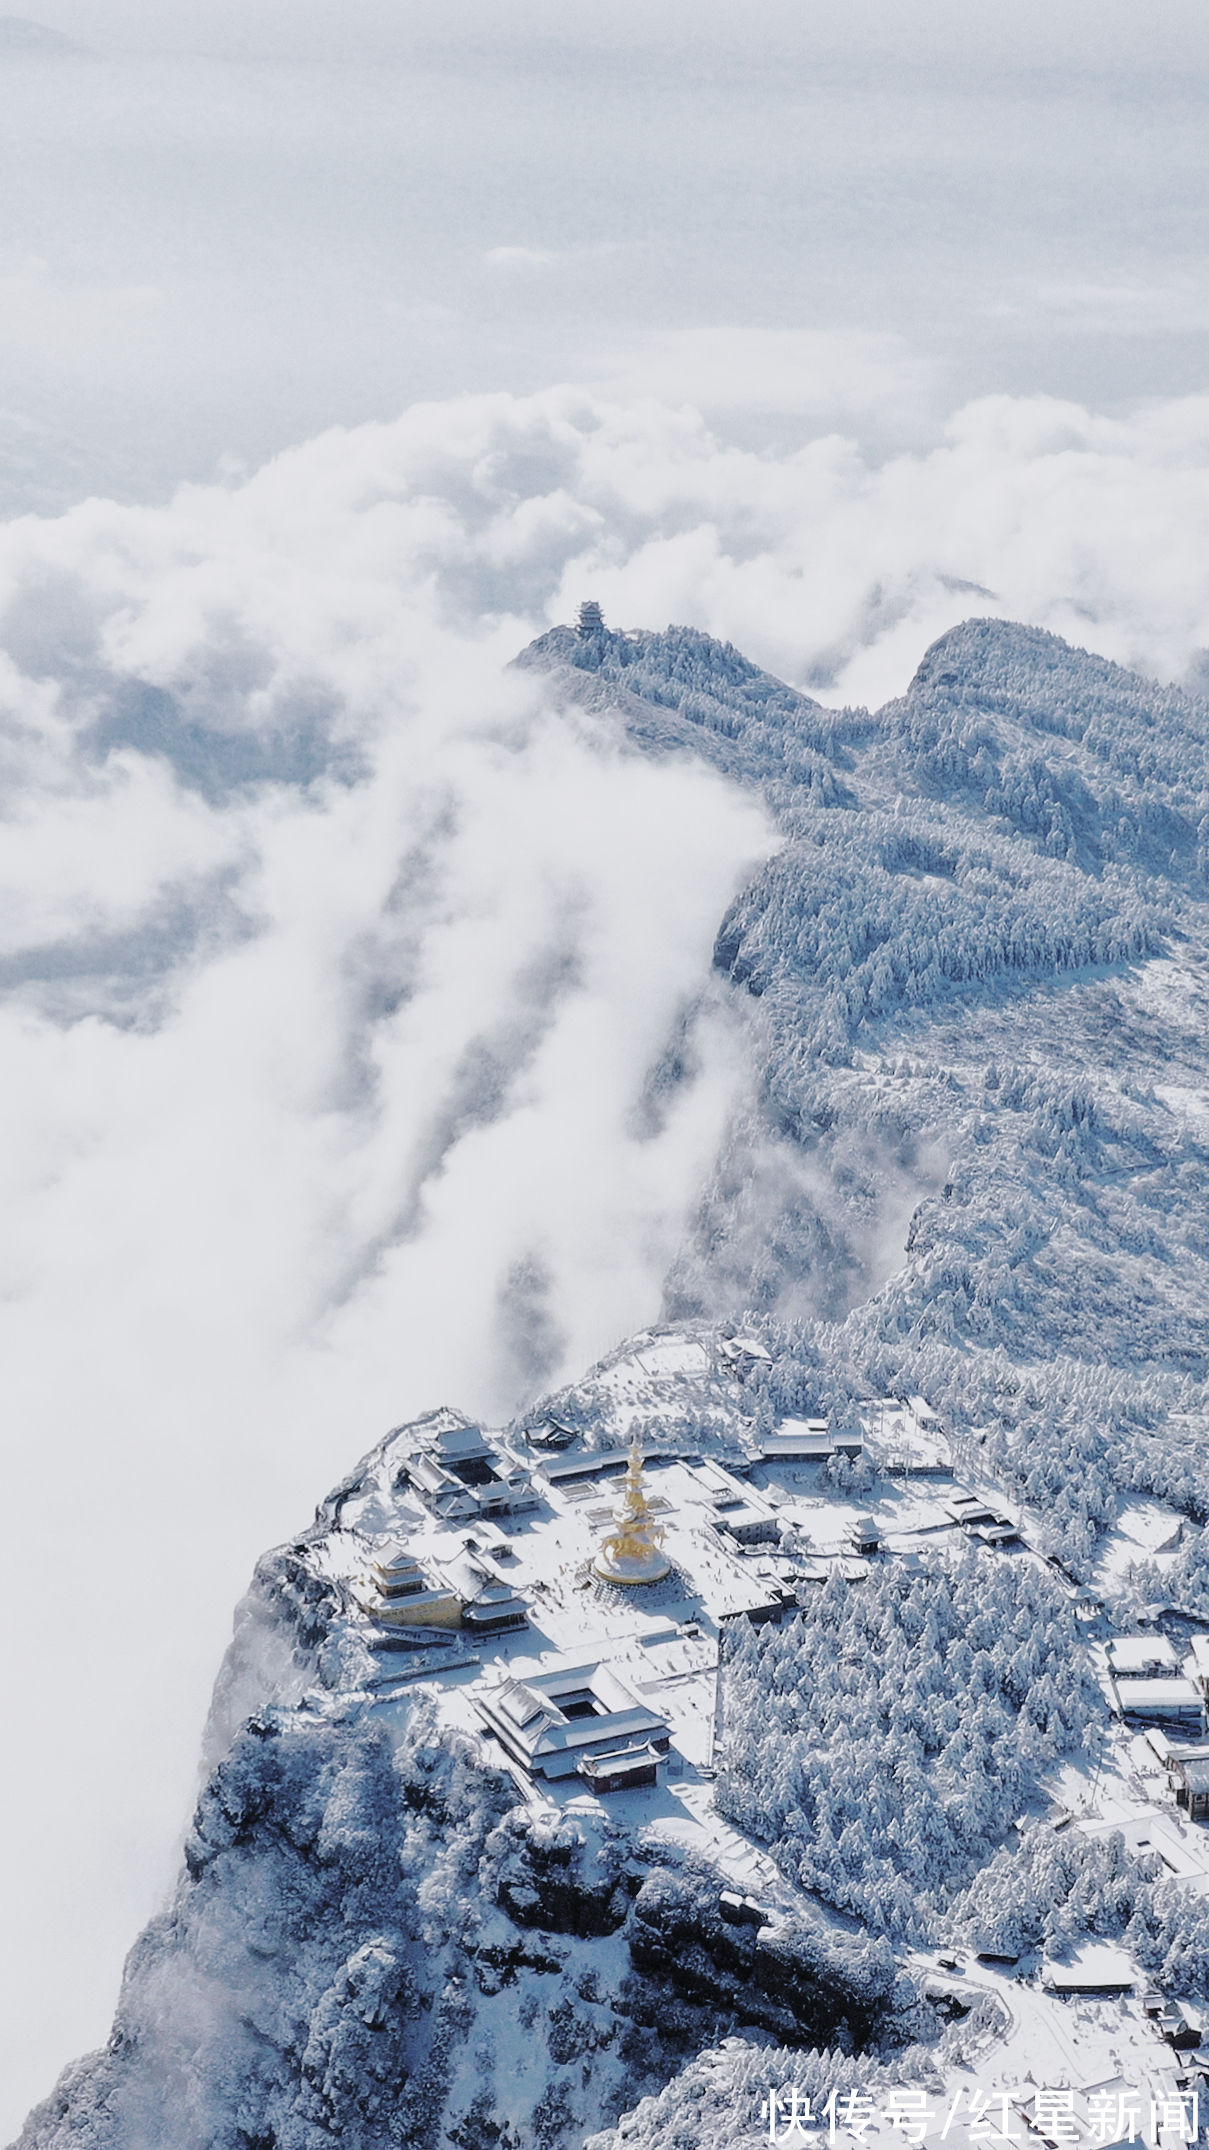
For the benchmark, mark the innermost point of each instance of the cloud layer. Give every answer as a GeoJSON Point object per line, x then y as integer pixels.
{"type": "Point", "coordinates": [227, 228]}
{"type": "Point", "coordinates": [340, 967]}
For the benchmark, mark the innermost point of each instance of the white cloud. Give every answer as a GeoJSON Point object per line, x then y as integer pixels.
{"type": "Point", "coordinates": [830, 375]}
{"type": "Point", "coordinates": [337, 958]}
{"type": "Point", "coordinates": [300, 1080]}
{"type": "Point", "coordinates": [207, 258]}
{"type": "Point", "coordinates": [522, 258]}
{"type": "Point", "coordinates": [1171, 304]}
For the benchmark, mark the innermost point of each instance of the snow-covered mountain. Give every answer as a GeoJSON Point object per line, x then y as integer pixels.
{"type": "Point", "coordinates": [975, 1172]}
{"type": "Point", "coordinates": [980, 965]}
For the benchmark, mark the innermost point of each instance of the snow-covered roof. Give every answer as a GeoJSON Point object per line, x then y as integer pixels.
{"type": "Point", "coordinates": [736, 1515]}
{"type": "Point", "coordinates": [804, 1440]}
{"type": "Point", "coordinates": [1141, 1653]}
{"type": "Point", "coordinates": [475, 1583]}
{"type": "Point", "coordinates": [745, 1347]}
{"type": "Point", "coordinates": [603, 1463]}
{"type": "Point", "coordinates": [518, 1701]}
{"type": "Point", "coordinates": [1096, 1967]}
{"type": "Point", "coordinates": [393, 1561]}
{"type": "Point", "coordinates": [1158, 1698]}
{"type": "Point", "coordinates": [460, 1441]}
{"type": "Point", "coordinates": [1194, 1773]}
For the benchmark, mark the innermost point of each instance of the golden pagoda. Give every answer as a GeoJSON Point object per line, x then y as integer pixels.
{"type": "Point", "coordinates": [630, 1553]}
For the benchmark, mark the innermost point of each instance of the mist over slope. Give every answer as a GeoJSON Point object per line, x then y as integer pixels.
{"type": "Point", "coordinates": [980, 967]}
{"type": "Point", "coordinates": [975, 1164]}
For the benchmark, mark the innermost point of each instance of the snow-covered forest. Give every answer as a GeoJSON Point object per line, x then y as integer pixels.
{"type": "Point", "coordinates": [1062, 1888]}
{"type": "Point", "coordinates": [976, 1165]}
{"type": "Point", "coordinates": [884, 1740]}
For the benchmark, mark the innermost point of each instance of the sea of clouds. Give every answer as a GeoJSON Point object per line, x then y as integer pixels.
{"type": "Point", "coordinates": [339, 962]}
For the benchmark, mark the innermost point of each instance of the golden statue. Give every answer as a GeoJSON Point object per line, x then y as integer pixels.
{"type": "Point", "coordinates": [630, 1554]}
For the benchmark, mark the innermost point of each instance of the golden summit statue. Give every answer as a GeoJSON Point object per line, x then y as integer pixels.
{"type": "Point", "coordinates": [630, 1554]}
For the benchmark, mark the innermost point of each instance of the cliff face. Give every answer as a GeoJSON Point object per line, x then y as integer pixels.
{"type": "Point", "coordinates": [375, 1943]}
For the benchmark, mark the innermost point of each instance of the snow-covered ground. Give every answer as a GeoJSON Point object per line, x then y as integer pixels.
{"type": "Point", "coordinates": [1145, 1530]}
{"type": "Point", "coordinates": [1126, 1788]}
{"type": "Point", "coordinates": [906, 1433]}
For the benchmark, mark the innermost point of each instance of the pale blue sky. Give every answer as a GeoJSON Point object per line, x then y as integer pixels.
{"type": "Point", "coordinates": [206, 253]}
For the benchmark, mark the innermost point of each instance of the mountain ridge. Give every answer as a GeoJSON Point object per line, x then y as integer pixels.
{"type": "Point", "coordinates": [975, 1167]}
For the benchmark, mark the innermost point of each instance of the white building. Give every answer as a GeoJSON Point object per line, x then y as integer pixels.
{"type": "Point", "coordinates": [808, 1440]}
{"type": "Point", "coordinates": [748, 1521]}
{"type": "Point", "coordinates": [1168, 1701]}
{"type": "Point", "coordinates": [1189, 1769]}
{"type": "Point", "coordinates": [1139, 1657]}
{"type": "Point", "coordinates": [579, 1719]}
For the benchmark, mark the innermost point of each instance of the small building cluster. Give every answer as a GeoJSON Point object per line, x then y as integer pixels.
{"type": "Point", "coordinates": [459, 1475]}
{"type": "Point", "coordinates": [1147, 1683]}
{"type": "Point", "coordinates": [466, 1589]}
{"type": "Point", "coordinates": [1180, 2025]}
{"type": "Point", "coordinates": [975, 1516]}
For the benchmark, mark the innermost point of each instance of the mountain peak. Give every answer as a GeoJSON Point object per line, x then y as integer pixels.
{"type": "Point", "coordinates": [681, 690]}
{"type": "Point", "coordinates": [984, 655]}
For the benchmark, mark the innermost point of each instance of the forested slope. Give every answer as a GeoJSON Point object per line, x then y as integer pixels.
{"type": "Point", "coordinates": [978, 976]}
